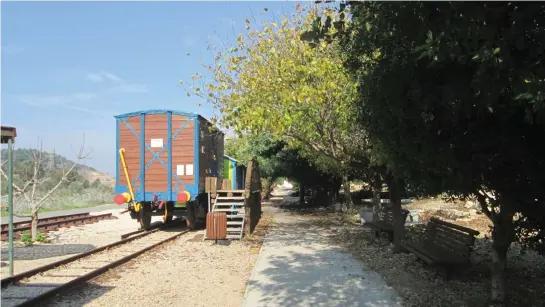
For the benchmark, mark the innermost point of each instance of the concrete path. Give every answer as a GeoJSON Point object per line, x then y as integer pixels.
{"type": "Point", "coordinates": [65, 212]}
{"type": "Point", "coordinates": [298, 266]}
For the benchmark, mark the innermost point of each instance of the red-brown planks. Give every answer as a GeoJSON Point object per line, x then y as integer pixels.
{"type": "Point", "coordinates": [156, 126]}
{"type": "Point", "coordinates": [131, 144]}
{"type": "Point", "coordinates": [182, 150]}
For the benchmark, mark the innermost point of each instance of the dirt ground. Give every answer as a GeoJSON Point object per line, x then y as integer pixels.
{"type": "Point", "coordinates": [421, 285]}
{"type": "Point", "coordinates": [188, 272]}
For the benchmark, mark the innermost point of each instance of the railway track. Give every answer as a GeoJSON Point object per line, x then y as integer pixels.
{"type": "Point", "coordinates": [31, 288]}
{"type": "Point", "coordinates": [54, 223]}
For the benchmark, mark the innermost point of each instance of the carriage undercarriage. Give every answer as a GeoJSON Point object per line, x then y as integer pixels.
{"type": "Point", "coordinates": [194, 212]}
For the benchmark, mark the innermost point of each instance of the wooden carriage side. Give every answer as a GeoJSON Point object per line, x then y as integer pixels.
{"type": "Point", "coordinates": [157, 144]}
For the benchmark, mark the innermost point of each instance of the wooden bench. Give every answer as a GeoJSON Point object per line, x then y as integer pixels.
{"type": "Point", "coordinates": [386, 224]}
{"type": "Point", "coordinates": [445, 245]}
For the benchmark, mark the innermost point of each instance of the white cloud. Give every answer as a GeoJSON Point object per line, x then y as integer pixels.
{"type": "Point", "coordinates": [116, 83]}
{"type": "Point", "coordinates": [90, 111]}
{"type": "Point", "coordinates": [78, 101]}
{"type": "Point", "coordinates": [103, 76]}
{"type": "Point", "coordinates": [95, 77]}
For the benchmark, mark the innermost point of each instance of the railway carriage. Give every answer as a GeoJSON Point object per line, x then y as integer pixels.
{"type": "Point", "coordinates": [163, 159]}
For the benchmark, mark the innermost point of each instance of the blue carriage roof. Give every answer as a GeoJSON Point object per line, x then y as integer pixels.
{"type": "Point", "coordinates": [160, 111]}
{"type": "Point", "coordinates": [164, 111]}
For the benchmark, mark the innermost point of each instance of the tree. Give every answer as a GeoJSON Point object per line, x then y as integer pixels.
{"type": "Point", "coordinates": [248, 146]}
{"type": "Point", "coordinates": [455, 102]}
{"type": "Point", "coordinates": [29, 194]}
{"type": "Point", "coordinates": [86, 184]}
{"type": "Point", "coordinates": [273, 81]}
{"type": "Point", "coordinates": [96, 183]}
{"type": "Point", "coordinates": [277, 159]}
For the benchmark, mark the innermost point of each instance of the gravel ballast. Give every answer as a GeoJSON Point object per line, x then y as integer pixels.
{"type": "Point", "coordinates": [33, 286]}
{"type": "Point", "coordinates": [187, 271]}
{"type": "Point", "coordinates": [68, 241]}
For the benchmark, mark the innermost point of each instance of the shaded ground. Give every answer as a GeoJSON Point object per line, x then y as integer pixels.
{"type": "Point", "coordinates": [299, 266]}
{"type": "Point", "coordinates": [420, 285]}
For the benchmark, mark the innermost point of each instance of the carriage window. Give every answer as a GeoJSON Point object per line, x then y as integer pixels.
{"type": "Point", "coordinates": [202, 149]}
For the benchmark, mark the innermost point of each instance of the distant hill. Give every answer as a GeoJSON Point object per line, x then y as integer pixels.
{"type": "Point", "coordinates": [52, 163]}
{"type": "Point", "coordinates": [92, 174]}
{"type": "Point", "coordinates": [83, 187]}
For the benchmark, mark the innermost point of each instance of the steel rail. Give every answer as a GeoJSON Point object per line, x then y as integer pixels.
{"type": "Point", "coordinates": [35, 301]}
{"type": "Point", "coordinates": [45, 220]}
{"type": "Point", "coordinates": [52, 225]}
{"type": "Point", "coordinates": [15, 278]}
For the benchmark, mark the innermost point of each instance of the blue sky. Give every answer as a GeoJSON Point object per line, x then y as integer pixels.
{"type": "Point", "coordinates": [69, 67]}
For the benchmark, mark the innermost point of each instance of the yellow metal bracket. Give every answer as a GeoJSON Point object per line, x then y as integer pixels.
{"type": "Point", "coordinates": [137, 206]}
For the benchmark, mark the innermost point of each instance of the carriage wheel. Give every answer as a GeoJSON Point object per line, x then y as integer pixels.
{"type": "Point", "coordinates": [145, 217]}
{"type": "Point", "coordinates": [190, 219]}
{"type": "Point", "coordinates": [169, 206]}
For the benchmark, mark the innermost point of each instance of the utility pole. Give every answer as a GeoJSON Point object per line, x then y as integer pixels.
{"type": "Point", "coordinates": [8, 136]}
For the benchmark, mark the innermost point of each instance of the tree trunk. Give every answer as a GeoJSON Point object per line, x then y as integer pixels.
{"type": "Point", "coordinates": [377, 188]}
{"type": "Point", "coordinates": [347, 195]}
{"type": "Point", "coordinates": [336, 187]}
{"type": "Point", "coordinates": [502, 237]}
{"type": "Point", "coordinates": [34, 224]}
{"type": "Point", "coordinates": [394, 188]}
{"type": "Point", "coordinates": [268, 183]}
{"type": "Point", "coordinates": [301, 193]}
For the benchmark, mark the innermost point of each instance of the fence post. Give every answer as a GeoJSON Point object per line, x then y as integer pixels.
{"type": "Point", "coordinates": [10, 208]}
{"type": "Point", "coordinates": [252, 196]}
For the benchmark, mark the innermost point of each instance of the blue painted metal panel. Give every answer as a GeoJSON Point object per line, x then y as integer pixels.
{"type": "Point", "coordinates": [234, 181]}
{"type": "Point", "coordinates": [117, 153]}
{"type": "Point", "coordinates": [169, 146]}
{"type": "Point", "coordinates": [158, 111]}
{"type": "Point", "coordinates": [196, 157]}
{"type": "Point", "coordinates": [142, 173]}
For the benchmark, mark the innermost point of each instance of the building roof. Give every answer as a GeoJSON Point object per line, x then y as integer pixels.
{"type": "Point", "coordinates": [232, 159]}
{"type": "Point", "coordinates": [8, 133]}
